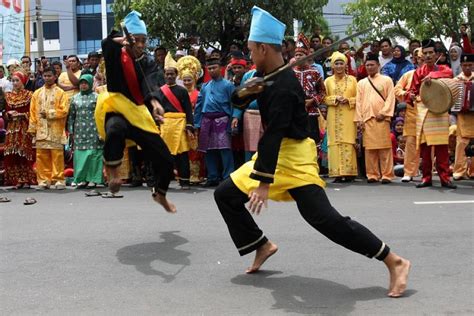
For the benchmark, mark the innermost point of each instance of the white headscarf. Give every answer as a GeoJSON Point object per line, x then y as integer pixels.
{"type": "Point", "coordinates": [456, 64]}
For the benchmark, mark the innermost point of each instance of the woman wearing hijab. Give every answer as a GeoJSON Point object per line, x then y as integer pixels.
{"type": "Point", "coordinates": [19, 152]}
{"type": "Point", "coordinates": [455, 55]}
{"type": "Point", "coordinates": [341, 90]}
{"type": "Point", "coordinates": [88, 149]}
{"type": "Point", "coordinates": [398, 65]}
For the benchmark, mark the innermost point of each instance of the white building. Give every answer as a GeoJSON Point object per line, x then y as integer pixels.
{"type": "Point", "coordinates": [70, 27]}
{"type": "Point", "coordinates": [337, 20]}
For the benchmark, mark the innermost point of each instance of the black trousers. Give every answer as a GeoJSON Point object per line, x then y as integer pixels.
{"type": "Point", "coordinates": [182, 164]}
{"type": "Point", "coordinates": [117, 129]}
{"type": "Point", "coordinates": [314, 128]}
{"type": "Point", "coordinates": [315, 208]}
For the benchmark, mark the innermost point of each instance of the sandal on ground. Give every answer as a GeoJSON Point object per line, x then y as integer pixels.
{"type": "Point", "coordinates": [93, 193]}
{"type": "Point", "coordinates": [4, 199]}
{"type": "Point", "coordinates": [18, 186]}
{"type": "Point", "coordinates": [29, 201]}
{"type": "Point", "coordinates": [82, 185]}
{"type": "Point", "coordinates": [110, 195]}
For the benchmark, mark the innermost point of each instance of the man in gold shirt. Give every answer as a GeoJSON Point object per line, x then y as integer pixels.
{"type": "Point", "coordinates": [48, 114]}
{"type": "Point", "coordinates": [375, 104]}
{"type": "Point", "coordinates": [465, 123]}
{"type": "Point", "coordinates": [69, 80]}
{"type": "Point", "coordinates": [411, 161]}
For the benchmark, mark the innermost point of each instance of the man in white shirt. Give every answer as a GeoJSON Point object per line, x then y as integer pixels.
{"type": "Point", "coordinates": [386, 49]}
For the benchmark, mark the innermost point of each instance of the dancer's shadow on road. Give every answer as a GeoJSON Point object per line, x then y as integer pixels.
{"type": "Point", "coordinates": [143, 255]}
{"type": "Point", "coordinates": [302, 295]}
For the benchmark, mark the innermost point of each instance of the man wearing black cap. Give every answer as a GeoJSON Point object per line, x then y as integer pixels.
{"type": "Point", "coordinates": [375, 104]}
{"type": "Point", "coordinates": [465, 123]}
{"type": "Point", "coordinates": [428, 124]}
{"type": "Point", "coordinates": [212, 116]}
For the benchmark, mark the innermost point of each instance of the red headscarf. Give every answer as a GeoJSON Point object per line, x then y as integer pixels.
{"type": "Point", "coordinates": [23, 78]}
{"type": "Point", "coordinates": [238, 61]}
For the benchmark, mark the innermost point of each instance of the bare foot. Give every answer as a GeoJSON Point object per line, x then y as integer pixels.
{"type": "Point", "coordinates": [167, 205]}
{"type": "Point", "coordinates": [399, 269]}
{"type": "Point", "coordinates": [264, 252]}
{"type": "Point", "coordinates": [114, 181]}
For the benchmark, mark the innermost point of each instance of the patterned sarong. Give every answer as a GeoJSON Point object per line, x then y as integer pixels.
{"type": "Point", "coordinates": [214, 133]}
{"type": "Point", "coordinates": [253, 129]}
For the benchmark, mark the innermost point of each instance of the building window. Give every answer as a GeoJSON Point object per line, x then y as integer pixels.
{"type": "Point", "coordinates": [110, 21]}
{"type": "Point", "coordinates": [89, 28]}
{"type": "Point", "coordinates": [88, 6]}
{"type": "Point", "coordinates": [85, 47]}
{"type": "Point", "coordinates": [50, 30]}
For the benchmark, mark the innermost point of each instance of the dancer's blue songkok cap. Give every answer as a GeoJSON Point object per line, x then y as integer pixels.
{"type": "Point", "coordinates": [134, 24]}
{"type": "Point", "coordinates": [265, 28]}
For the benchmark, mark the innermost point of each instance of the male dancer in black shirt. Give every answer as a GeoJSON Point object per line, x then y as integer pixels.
{"type": "Point", "coordinates": [285, 167]}
{"type": "Point", "coordinates": [121, 113]}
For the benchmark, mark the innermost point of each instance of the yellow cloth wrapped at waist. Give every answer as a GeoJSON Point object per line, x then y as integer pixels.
{"type": "Point", "coordinates": [114, 102]}
{"type": "Point", "coordinates": [297, 166]}
{"type": "Point", "coordinates": [173, 132]}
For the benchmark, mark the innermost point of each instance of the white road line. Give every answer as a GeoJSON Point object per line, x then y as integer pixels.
{"type": "Point", "coordinates": [444, 202]}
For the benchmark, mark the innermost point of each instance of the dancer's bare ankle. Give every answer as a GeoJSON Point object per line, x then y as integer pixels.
{"type": "Point", "coordinates": [163, 201]}
{"type": "Point", "coordinates": [399, 268]}
{"type": "Point", "coordinates": [114, 179]}
{"type": "Point", "coordinates": [262, 253]}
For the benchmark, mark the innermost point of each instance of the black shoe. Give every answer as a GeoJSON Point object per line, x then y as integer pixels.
{"type": "Point", "coordinates": [424, 185]}
{"type": "Point", "coordinates": [209, 184]}
{"type": "Point", "coordinates": [150, 184]}
{"type": "Point", "coordinates": [372, 180]}
{"type": "Point", "coordinates": [386, 181]}
{"type": "Point", "coordinates": [449, 185]}
{"type": "Point", "coordinates": [136, 183]}
{"type": "Point", "coordinates": [348, 179]}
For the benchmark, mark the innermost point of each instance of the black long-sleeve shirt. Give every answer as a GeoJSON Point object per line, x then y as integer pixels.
{"type": "Point", "coordinates": [116, 82]}
{"type": "Point", "coordinates": [283, 114]}
{"type": "Point", "coordinates": [183, 97]}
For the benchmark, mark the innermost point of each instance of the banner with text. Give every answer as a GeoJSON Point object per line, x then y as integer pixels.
{"type": "Point", "coordinates": [12, 29]}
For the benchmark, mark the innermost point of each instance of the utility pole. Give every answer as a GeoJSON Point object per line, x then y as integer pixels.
{"type": "Point", "coordinates": [39, 29]}
{"type": "Point", "coordinates": [103, 10]}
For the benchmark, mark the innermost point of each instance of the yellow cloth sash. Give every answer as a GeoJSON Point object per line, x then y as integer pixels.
{"type": "Point", "coordinates": [173, 132]}
{"type": "Point", "coordinates": [297, 166]}
{"type": "Point", "coordinates": [113, 102]}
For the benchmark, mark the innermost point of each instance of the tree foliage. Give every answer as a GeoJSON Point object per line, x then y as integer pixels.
{"type": "Point", "coordinates": [216, 20]}
{"type": "Point", "coordinates": [411, 18]}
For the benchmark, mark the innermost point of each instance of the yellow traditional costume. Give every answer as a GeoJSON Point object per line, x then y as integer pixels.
{"type": "Point", "coordinates": [411, 159]}
{"type": "Point", "coordinates": [297, 166]}
{"type": "Point", "coordinates": [372, 101]}
{"type": "Point", "coordinates": [49, 132]}
{"type": "Point", "coordinates": [173, 129]}
{"type": "Point", "coordinates": [465, 134]}
{"type": "Point", "coordinates": [341, 129]}
{"type": "Point", "coordinates": [189, 67]}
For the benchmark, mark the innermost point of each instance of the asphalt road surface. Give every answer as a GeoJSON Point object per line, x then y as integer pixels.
{"type": "Point", "coordinates": [68, 254]}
